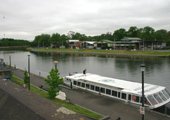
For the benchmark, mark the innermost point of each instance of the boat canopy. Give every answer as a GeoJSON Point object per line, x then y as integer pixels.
{"type": "Point", "coordinates": [125, 86]}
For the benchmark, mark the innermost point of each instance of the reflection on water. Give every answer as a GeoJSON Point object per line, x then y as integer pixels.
{"type": "Point", "coordinates": [157, 69]}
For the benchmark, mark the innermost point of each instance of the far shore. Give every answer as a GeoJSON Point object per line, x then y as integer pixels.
{"type": "Point", "coordinates": [107, 53]}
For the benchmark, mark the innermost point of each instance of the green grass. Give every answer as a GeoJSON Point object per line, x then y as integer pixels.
{"type": "Point", "coordinates": [79, 109]}
{"type": "Point", "coordinates": [17, 80]}
{"type": "Point", "coordinates": [103, 52]}
{"type": "Point", "coordinates": [70, 106]}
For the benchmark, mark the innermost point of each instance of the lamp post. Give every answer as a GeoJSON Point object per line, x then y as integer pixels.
{"type": "Point", "coordinates": [9, 61]}
{"type": "Point", "coordinates": [55, 63]}
{"type": "Point", "coordinates": [28, 72]}
{"type": "Point", "coordinates": [142, 110]}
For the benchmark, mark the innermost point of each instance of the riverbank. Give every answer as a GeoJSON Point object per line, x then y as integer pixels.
{"type": "Point", "coordinates": [110, 53]}
{"type": "Point", "coordinates": [14, 48]}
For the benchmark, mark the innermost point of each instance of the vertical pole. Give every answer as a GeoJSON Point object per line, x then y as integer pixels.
{"type": "Point", "coordinates": [55, 64]}
{"type": "Point", "coordinates": [143, 96]}
{"type": "Point", "coordinates": [143, 93]}
{"type": "Point", "coordinates": [9, 61]}
{"type": "Point", "coordinates": [29, 72]}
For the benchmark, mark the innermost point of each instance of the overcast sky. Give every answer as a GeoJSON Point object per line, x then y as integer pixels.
{"type": "Point", "coordinates": [24, 19]}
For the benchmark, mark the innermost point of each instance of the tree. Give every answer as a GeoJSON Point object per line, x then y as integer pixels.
{"type": "Point", "coordinates": [55, 40]}
{"type": "Point", "coordinates": [53, 80]}
{"type": "Point", "coordinates": [26, 78]}
{"type": "Point", "coordinates": [119, 34]}
{"type": "Point", "coordinates": [79, 36]}
{"type": "Point", "coordinates": [41, 40]}
{"type": "Point", "coordinates": [161, 35]}
{"type": "Point", "coordinates": [132, 32]}
{"type": "Point", "coordinates": [147, 33]}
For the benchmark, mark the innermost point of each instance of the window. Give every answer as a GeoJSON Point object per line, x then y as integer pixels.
{"type": "Point", "coordinates": [135, 98]}
{"type": "Point", "coordinates": [75, 82]}
{"type": "Point", "coordinates": [92, 87]}
{"type": "Point", "coordinates": [129, 97]}
{"type": "Point", "coordinates": [97, 89]}
{"type": "Point", "coordinates": [147, 102]}
{"type": "Point", "coordinates": [157, 98]}
{"type": "Point", "coordinates": [102, 90]}
{"type": "Point", "coordinates": [152, 100]}
{"type": "Point", "coordinates": [114, 93]}
{"type": "Point", "coordinates": [87, 86]}
{"type": "Point", "coordinates": [78, 83]}
{"type": "Point", "coordinates": [166, 94]}
{"type": "Point", "coordinates": [108, 91]}
{"type": "Point", "coordinates": [162, 96]}
{"type": "Point", "coordinates": [124, 96]}
{"type": "Point", "coordinates": [82, 84]}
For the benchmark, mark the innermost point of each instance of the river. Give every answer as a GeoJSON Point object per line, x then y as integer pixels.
{"type": "Point", "coordinates": [157, 69]}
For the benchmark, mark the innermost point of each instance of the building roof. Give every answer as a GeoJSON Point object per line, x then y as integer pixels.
{"type": "Point", "coordinates": [90, 42]}
{"type": "Point", "coordinates": [73, 40]}
{"type": "Point", "coordinates": [123, 85]}
{"type": "Point", "coordinates": [131, 39]}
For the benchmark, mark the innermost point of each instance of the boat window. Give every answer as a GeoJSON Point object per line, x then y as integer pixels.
{"type": "Point", "coordinates": [146, 101]}
{"type": "Point", "coordinates": [152, 100]}
{"type": "Point", "coordinates": [123, 96]}
{"type": "Point", "coordinates": [87, 86]}
{"type": "Point", "coordinates": [92, 87]}
{"type": "Point", "coordinates": [75, 82]}
{"type": "Point", "coordinates": [118, 94]}
{"type": "Point", "coordinates": [83, 84]}
{"type": "Point", "coordinates": [162, 96]}
{"type": "Point", "coordinates": [102, 90]}
{"type": "Point", "coordinates": [135, 98]}
{"type": "Point", "coordinates": [166, 94]}
{"type": "Point", "coordinates": [114, 93]}
{"type": "Point", "coordinates": [129, 97]}
{"type": "Point", "coordinates": [97, 89]}
{"type": "Point", "coordinates": [78, 83]}
{"type": "Point", "coordinates": [108, 91]}
{"type": "Point", "coordinates": [157, 98]}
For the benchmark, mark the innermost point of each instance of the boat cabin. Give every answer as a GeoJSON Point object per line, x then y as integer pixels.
{"type": "Point", "coordinates": [155, 96]}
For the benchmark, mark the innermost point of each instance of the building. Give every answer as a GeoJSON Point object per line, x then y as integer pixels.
{"type": "Point", "coordinates": [104, 44]}
{"type": "Point", "coordinates": [128, 43]}
{"type": "Point", "coordinates": [89, 44]}
{"type": "Point", "coordinates": [74, 43]}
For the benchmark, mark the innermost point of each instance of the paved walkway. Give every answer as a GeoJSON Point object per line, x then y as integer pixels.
{"type": "Point", "coordinates": [43, 107]}
{"type": "Point", "coordinates": [101, 104]}
{"type": "Point", "coordinates": [12, 109]}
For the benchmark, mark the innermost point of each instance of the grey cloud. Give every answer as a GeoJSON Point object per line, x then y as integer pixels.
{"type": "Point", "coordinates": [25, 19]}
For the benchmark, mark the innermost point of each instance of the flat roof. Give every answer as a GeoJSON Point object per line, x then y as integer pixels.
{"type": "Point", "coordinates": [124, 85]}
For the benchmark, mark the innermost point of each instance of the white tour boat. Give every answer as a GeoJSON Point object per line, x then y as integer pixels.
{"type": "Point", "coordinates": [155, 96]}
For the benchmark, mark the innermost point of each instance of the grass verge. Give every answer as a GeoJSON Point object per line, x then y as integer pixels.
{"type": "Point", "coordinates": [70, 106]}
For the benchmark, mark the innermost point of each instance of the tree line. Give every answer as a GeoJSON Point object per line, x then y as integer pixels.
{"type": "Point", "coordinates": [57, 40]}
{"type": "Point", "coordinates": [13, 42]}
{"type": "Point", "coordinates": [147, 34]}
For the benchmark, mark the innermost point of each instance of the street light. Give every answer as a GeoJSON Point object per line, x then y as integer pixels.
{"type": "Point", "coordinates": [9, 61]}
{"type": "Point", "coordinates": [142, 110]}
{"type": "Point", "coordinates": [28, 72]}
{"type": "Point", "coordinates": [55, 63]}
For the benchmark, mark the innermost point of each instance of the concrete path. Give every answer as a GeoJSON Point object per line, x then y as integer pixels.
{"type": "Point", "coordinates": [12, 109]}
{"type": "Point", "coordinates": [40, 106]}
